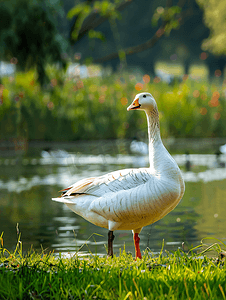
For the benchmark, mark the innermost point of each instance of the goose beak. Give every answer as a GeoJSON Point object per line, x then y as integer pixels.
{"type": "Point", "coordinates": [134, 105]}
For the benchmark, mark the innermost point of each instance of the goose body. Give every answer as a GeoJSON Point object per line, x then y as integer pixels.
{"type": "Point", "coordinates": [130, 199]}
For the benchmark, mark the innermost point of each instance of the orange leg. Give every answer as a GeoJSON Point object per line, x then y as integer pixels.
{"type": "Point", "coordinates": [137, 245]}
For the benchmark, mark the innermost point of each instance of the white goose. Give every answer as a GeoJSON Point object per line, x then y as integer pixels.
{"type": "Point", "coordinates": [132, 198]}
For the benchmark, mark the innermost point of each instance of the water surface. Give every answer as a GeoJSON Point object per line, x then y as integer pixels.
{"type": "Point", "coordinates": [27, 186]}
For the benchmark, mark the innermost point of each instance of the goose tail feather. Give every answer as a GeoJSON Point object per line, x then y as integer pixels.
{"type": "Point", "coordinates": [65, 200]}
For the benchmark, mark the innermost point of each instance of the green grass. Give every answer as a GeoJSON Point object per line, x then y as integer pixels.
{"type": "Point", "coordinates": [176, 275]}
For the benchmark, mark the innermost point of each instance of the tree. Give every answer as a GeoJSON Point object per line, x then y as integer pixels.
{"type": "Point", "coordinates": [28, 35]}
{"type": "Point", "coordinates": [90, 14]}
{"type": "Point", "coordinates": [215, 19]}
{"type": "Point", "coordinates": [143, 34]}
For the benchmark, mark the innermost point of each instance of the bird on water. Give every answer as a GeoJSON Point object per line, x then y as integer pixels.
{"type": "Point", "coordinates": [130, 199]}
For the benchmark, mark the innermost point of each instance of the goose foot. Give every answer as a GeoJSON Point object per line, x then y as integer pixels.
{"type": "Point", "coordinates": [137, 245]}
{"type": "Point", "coordinates": [110, 243]}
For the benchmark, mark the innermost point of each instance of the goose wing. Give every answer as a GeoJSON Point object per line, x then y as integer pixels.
{"type": "Point", "coordinates": [118, 200]}
{"type": "Point", "coordinates": [113, 182]}
{"type": "Point", "coordinates": [115, 196]}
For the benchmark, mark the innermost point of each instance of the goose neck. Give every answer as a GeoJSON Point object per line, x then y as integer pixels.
{"type": "Point", "coordinates": [156, 148]}
{"type": "Point", "coordinates": [153, 126]}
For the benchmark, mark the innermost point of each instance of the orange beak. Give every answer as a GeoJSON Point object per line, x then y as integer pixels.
{"type": "Point", "coordinates": [134, 105]}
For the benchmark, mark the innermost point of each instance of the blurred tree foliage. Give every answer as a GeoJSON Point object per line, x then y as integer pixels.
{"type": "Point", "coordinates": [95, 108]}
{"type": "Point", "coordinates": [135, 34]}
{"type": "Point", "coordinates": [28, 34]}
{"type": "Point", "coordinates": [215, 19]}
{"type": "Point", "coordinates": [90, 14]}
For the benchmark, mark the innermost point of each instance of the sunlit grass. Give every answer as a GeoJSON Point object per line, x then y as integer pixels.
{"type": "Point", "coordinates": [199, 72]}
{"type": "Point", "coordinates": [175, 69]}
{"type": "Point", "coordinates": [196, 71]}
{"type": "Point", "coordinates": [176, 275]}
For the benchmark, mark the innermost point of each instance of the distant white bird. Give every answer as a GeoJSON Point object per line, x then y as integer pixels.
{"type": "Point", "coordinates": [138, 147]}
{"type": "Point", "coordinates": [132, 198]}
{"type": "Point", "coordinates": [223, 149]}
{"type": "Point", "coordinates": [56, 156]}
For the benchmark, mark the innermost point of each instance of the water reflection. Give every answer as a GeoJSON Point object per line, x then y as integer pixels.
{"type": "Point", "coordinates": [28, 186]}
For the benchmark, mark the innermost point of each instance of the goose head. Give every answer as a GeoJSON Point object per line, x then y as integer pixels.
{"type": "Point", "coordinates": [143, 101]}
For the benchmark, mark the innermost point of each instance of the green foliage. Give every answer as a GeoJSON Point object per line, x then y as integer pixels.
{"type": "Point", "coordinates": [86, 9]}
{"type": "Point", "coordinates": [215, 19]}
{"type": "Point", "coordinates": [177, 275]}
{"type": "Point", "coordinates": [169, 15]}
{"type": "Point", "coordinates": [96, 35]}
{"type": "Point", "coordinates": [30, 37]}
{"type": "Point", "coordinates": [95, 108]}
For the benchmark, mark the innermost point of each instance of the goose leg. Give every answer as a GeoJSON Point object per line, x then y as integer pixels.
{"type": "Point", "coordinates": [110, 243]}
{"type": "Point", "coordinates": [137, 245]}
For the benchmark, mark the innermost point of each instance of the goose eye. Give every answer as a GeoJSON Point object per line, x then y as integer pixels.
{"type": "Point", "coordinates": [144, 96]}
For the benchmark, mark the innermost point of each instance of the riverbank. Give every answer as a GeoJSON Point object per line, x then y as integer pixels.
{"type": "Point", "coordinates": [95, 108]}
{"type": "Point", "coordinates": [176, 275]}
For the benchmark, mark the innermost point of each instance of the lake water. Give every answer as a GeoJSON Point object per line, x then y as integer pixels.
{"type": "Point", "coordinates": [27, 186]}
